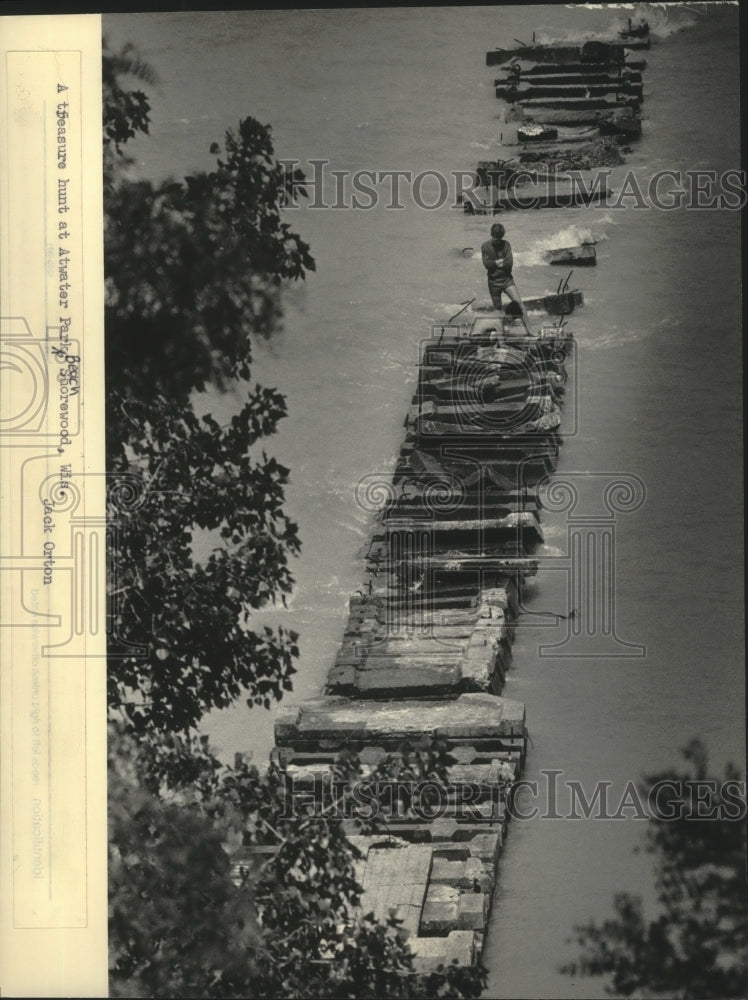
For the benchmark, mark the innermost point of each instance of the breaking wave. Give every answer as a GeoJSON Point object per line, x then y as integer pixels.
{"type": "Point", "coordinates": [575, 36]}
{"type": "Point", "coordinates": [615, 337]}
{"type": "Point", "coordinates": [664, 19]}
{"type": "Point", "coordinates": [571, 236]}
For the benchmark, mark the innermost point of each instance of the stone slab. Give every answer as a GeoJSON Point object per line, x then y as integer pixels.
{"type": "Point", "coordinates": [469, 875]}
{"type": "Point", "coordinates": [396, 878]}
{"type": "Point", "coordinates": [439, 917]}
{"type": "Point", "coordinates": [436, 679]}
{"type": "Point", "coordinates": [431, 952]}
{"type": "Point", "coordinates": [486, 846]}
{"type": "Point", "coordinates": [436, 659]}
{"type": "Point", "coordinates": [478, 715]}
{"type": "Point", "coordinates": [472, 911]}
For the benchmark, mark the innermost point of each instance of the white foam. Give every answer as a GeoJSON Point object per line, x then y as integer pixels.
{"type": "Point", "coordinates": [666, 19]}
{"type": "Point", "coordinates": [570, 236]}
{"type": "Point", "coordinates": [575, 36]}
{"type": "Point", "coordinates": [614, 338]}
{"type": "Point", "coordinates": [552, 550]}
{"type": "Point", "coordinates": [552, 531]}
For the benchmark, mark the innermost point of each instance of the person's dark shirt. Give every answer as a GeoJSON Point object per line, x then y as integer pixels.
{"type": "Point", "coordinates": [497, 260]}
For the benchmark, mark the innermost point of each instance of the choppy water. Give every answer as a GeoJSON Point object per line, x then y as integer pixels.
{"type": "Point", "coordinates": [658, 385]}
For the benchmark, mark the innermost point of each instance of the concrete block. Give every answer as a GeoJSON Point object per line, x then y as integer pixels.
{"type": "Point", "coordinates": [479, 666]}
{"type": "Point", "coordinates": [387, 900]}
{"type": "Point", "coordinates": [501, 599]}
{"type": "Point", "coordinates": [452, 873]}
{"type": "Point", "coordinates": [404, 867]}
{"type": "Point", "coordinates": [340, 678]}
{"type": "Point", "coordinates": [443, 828]}
{"type": "Point", "coordinates": [482, 774]}
{"type": "Point", "coordinates": [437, 893]}
{"type": "Point", "coordinates": [439, 917]}
{"type": "Point", "coordinates": [467, 875]}
{"type": "Point", "coordinates": [395, 878]}
{"type": "Point", "coordinates": [460, 947]}
{"type": "Point", "coordinates": [431, 952]}
{"type": "Point", "coordinates": [473, 715]}
{"type": "Point", "coordinates": [410, 916]}
{"type": "Point", "coordinates": [450, 852]}
{"type": "Point", "coordinates": [486, 846]}
{"type": "Point", "coordinates": [428, 953]}
{"type": "Point", "coordinates": [464, 754]}
{"type": "Point", "coordinates": [480, 874]}
{"type": "Point", "coordinates": [472, 911]}
{"type": "Point", "coordinates": [287, 719]}
{"type": "Point", "coordinates": [418, 644]}
{"type": "Point", "coordinates": [483, 811]}
{"type": "Point", "coordinates": [466, 831]}
{"type": "Point", "coordinates": [434, 678]}
{"type": "Point", "coordinates": [440, 909]}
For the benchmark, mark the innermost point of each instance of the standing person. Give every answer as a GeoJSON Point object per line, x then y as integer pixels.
{"type": "Point", "coordinates": [498, 261]}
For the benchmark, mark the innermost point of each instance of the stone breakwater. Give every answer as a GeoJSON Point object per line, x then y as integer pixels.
{"type": "Point", "coordinates": [428, 640]}
{"type": "Point", "coordinates": [569, 116]}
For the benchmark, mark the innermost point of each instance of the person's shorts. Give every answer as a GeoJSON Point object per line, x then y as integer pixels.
{"type": "Point", "coordinates": [497, 287]}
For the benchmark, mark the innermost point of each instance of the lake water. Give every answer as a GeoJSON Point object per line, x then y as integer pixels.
{"type": "Point", "coordinates": [658, 384]}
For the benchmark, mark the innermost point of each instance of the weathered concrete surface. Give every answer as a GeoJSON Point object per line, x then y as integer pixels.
{"type": "Point", "coordinates": [496, 464]}
{"type": "Point", "coordinates": [407, 603]}
{"type": "Point", "coordinates": [455, 561]}
{"type": "Point", "coordinates": [448, 908]}
{"type": "Point", "coordinates": [470, 874]}
{"type": "Point", "coordinates": [507, 403]}
{"type": "Point", "coordinates": [430, 894]}
{"type": "Point", "coordinates": [396, 878]}
{"type": "Point", "coordinates": [491, 413]}
{"type": "Point", "coordinates": [386, 680]}
{"type": "Point", "coordinates": [490, 781]}
{"type": "Point", "coordinates": [471, 507]}
{"type": "Point", "coordinates": [473, 911]}
{"type": "Point", "coordinates": [525, 521]}
{"type": "Point", "coordinates": [439, 891]}
{"type": "Point", "coordinates": [439, 660]}
{"type": "Point", "coordinates": [486, 846]}
{"type": "Point", "coordinates": [466, 717]}
{"type": "Point", "coordinates": [464, 754]}
{"type": "Point", "coordinates": [373, 607]}
{"type": "Point", "coordinates": [433, 428]}
{"type": "Point", "coordinates": [431, 952]}
{"type": "Point", "coordinates": [441, 909]}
